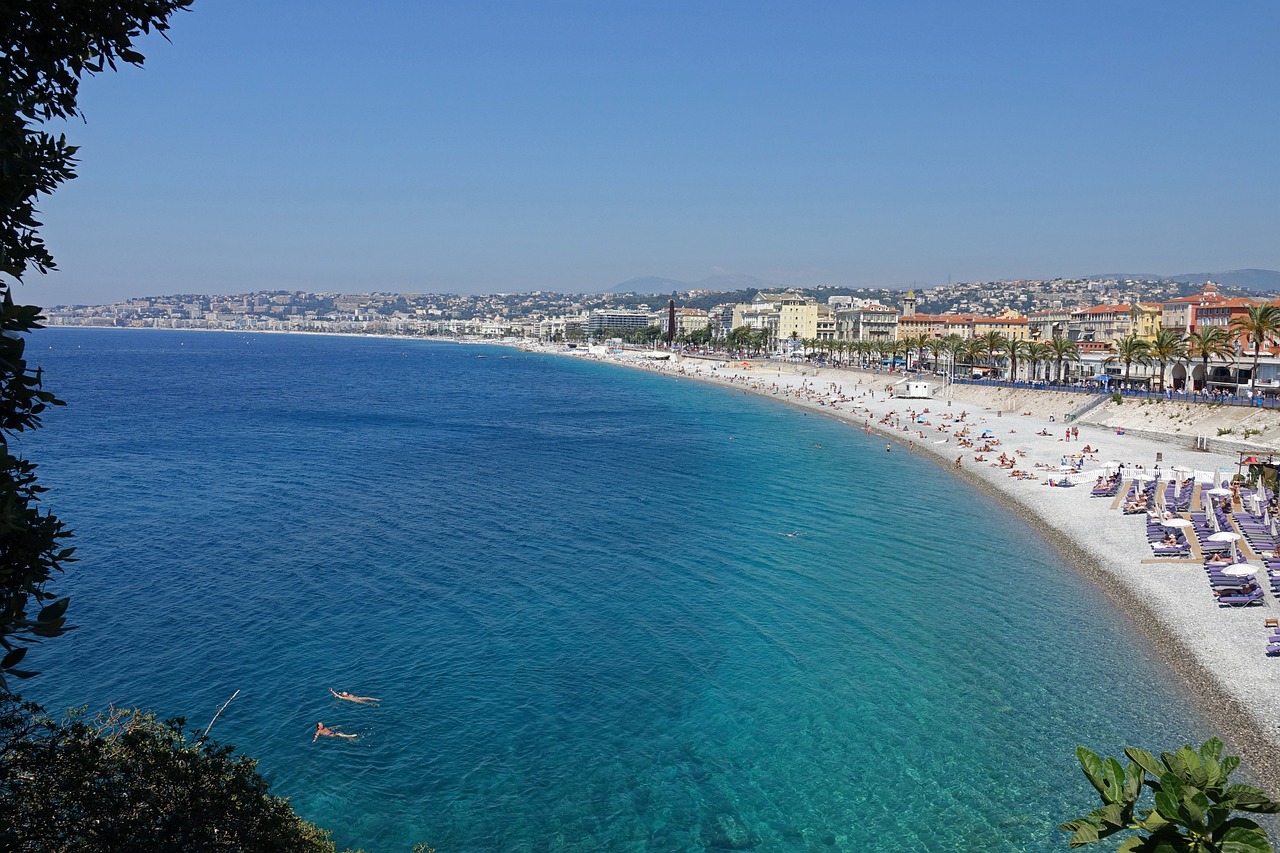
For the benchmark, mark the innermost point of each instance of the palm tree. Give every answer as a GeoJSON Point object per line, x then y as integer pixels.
{"type": "Point", "coordinates": [893, 349]}
{"type": "Point", "coordinates": [955, 347]}
{"type": "Point", "coordinates": [936, 347]}
{"type": "Point", "coordinates": [879, 350]}
{"type": "Point", "coordinates": [1063, 349]}
{"type": "Point", "coordinates": [992, 343]}
{"type": "Point", "coordinates": [1167, 346]}
{"type": "Point", "coordinates": [1129, 349]}
{"type": "Point", "coordinates": [974, 350]}
{"type": "Point", "coordinates": [918, 343]}
{"type": "Point", "coordinates": [1013, 348]}
{"type": "Point", "coordinates": [1037, 352]}
{"type": "Point", "coordinates": [1209, 342]}
{"type": "Point", "coordinates": [856, 350]}
{"type": "Point", "coordinates": [1259, 326]}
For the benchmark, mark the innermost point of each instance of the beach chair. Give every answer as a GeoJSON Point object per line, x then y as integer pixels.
{"type": "Point", "coordinates": [1246, 600]}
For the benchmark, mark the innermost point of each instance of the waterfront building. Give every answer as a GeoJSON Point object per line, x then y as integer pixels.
{"type": "Point", "coordinates": [1047, 325]}
{"type": "Point", "coordinates": [1179, 314]}
{"type": "Point", "coordinates": [687, 320]}
{"type": "Point", "coordinates": [602, 319]}
{"type": "Point", "coordinates": [869, 321]}
{"type": "Point", "coordinates": [1008, 324]}
{"type": "Point", "coordinates": [803, 318]}
{"type": "Point", "coordinates": [1099, 323]}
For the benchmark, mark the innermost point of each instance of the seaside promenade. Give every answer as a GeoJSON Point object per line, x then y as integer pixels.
{"type": "Point", "coordinates": [1219, 652]}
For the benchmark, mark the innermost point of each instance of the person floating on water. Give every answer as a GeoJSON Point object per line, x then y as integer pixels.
{"type": "Point", "coordinates": [324, 731]}
{"type": "Point", "coordinates": [363, 700]}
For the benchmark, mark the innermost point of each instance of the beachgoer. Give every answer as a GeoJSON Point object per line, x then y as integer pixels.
{"type": "Point", "coordinates": [363, 700]}
{"type": "Point", "coordinates": [888, 447]}
{"type": "Point", "coordinates": [324, 731]}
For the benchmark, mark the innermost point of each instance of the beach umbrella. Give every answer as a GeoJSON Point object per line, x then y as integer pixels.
{"type": "Point", "coordinates": [1240, 570]}
{"type": "Point", "coordinates": [1219, 492]}
{"type": "Point", "coordinates": [1176, 522]}
{"type": "Point", "coordinates": [1224, 536]}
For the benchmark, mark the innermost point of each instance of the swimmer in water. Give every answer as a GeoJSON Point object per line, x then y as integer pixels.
{"type": "Point", "coordinates": [362, 700]}
{"type": "Point", "coordinates": [324, 731]}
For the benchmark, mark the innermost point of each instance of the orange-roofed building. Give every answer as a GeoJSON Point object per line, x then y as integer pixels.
{"type": "Point", "coordinates": [1009, 325]}
{"type": "Point", "coordinates": [1100, 323]}
{"type": "Point", "coordinates": [1180, 314]}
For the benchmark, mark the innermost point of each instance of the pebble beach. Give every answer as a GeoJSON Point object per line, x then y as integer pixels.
{"type": "Point", "coordinates": [1219, 652]}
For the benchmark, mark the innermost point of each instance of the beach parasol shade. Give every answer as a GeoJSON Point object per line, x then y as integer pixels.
{"type": "Point", "coordinates": [1176, 522]}
{"type": "Point", "coordinates": [1224, 536]}
{"type": "Point", "coordinates": [1240, 570]}
{"type": "Point", "coordinates": [1249, 460]}
{"type": "Point", "coordinates": [1219, 492]}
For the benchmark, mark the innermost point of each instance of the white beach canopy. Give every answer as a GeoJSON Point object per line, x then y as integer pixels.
{"type": "Point", "coordinates": [1240, 570]}
{"type": "Point", "coordinates": [1176, 522]}
{"type": "Point", "coordinates": [1224, 536]}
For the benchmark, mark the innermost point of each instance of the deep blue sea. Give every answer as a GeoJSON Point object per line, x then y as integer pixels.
{"type": "Point", "coordinates": [570, 586]}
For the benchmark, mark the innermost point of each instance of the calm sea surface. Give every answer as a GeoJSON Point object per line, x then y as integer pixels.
{"type": "Point", "coordinates": [570, 586]}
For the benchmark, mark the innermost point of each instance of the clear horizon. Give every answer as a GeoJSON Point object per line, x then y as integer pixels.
{"type": "Point", "coordinates": [569, 147]}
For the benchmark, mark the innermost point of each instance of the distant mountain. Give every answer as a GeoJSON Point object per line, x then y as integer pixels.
{"type": "Point", "coordinates": [1248, 279]}
{"type": "Point", "coordinates": [735, 282]}
{"type": "Point", "coordinates": [725, 282]}
{"type": "Point", "coordinates": [648, 284]}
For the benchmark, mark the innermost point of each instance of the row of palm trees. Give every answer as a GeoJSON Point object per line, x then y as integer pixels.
{"type": "Point", "coordinates": [987, 350]}
{"type": "Point", "coordinates": [1259, 328]}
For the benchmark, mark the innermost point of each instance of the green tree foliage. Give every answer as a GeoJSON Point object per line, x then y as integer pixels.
{"type": "Point", "coordinates": [124, 780]}
{"type": "Point", "coordinates": [49, 47]}
{"type": "Point", "coordinates": [1260, 326]}
{"type": "Point", "coordinates": [1130, 349]}
{"type": "Point", "coordinates": [1193, 811]}
{"type": "Point", "coordinates": [127, 781]}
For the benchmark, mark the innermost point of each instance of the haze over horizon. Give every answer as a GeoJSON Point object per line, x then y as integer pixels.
{"type": "Point", "coordinates": [494, 147]}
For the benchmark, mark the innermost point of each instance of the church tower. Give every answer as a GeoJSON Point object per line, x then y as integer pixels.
{"type": "Point", "coordinates": [909, 304]}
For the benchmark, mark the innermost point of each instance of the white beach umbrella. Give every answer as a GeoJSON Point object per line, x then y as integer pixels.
{"type": "Point", "coordinates": [1176, 522]}
{"type": "Point", "coordinates": [1224, 536]}
{"type": "Point", "coordinates": [1218, 492]}
{"type": "Point", "coordinates": [1240, 570]}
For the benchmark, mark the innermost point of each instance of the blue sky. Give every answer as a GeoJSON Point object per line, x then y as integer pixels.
{"type": "Point", "coordinates": [497, 146]}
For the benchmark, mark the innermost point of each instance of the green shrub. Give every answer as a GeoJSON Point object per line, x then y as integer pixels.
{"type": "Point", "coordinates": [169, 790]}
{"type": "Point", "coordinates": [1193, 807]}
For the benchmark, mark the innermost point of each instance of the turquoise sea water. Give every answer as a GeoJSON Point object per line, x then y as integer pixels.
{"type": "Point", "coordinates": [569, 585]}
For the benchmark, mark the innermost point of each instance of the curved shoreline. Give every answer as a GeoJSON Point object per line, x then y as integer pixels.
{"type": "Point", "coordinates": [1226, 675]}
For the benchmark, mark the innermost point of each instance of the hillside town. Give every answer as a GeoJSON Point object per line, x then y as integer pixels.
{"type": "Point", "coordinates": [1129, 334]}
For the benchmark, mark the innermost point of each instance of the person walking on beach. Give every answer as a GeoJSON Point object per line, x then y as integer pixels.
{"type": "Point", "coordinates": [362, 700]}
{"type": "Point", "coordinates": [324, 731]}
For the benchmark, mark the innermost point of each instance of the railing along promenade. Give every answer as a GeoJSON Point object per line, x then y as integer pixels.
{"type": "Point", "coordinates": [1265, 398]}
